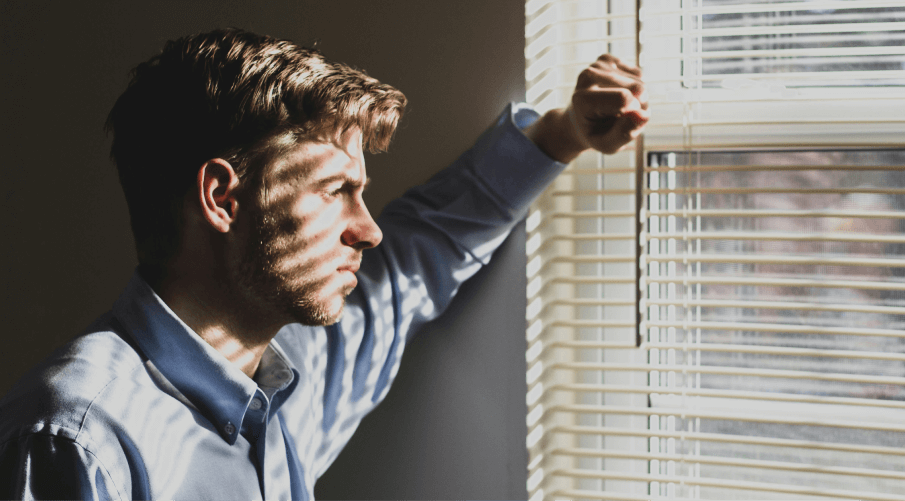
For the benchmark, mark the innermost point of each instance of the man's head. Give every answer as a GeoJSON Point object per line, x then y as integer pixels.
{"type": "Point", "coordinates": [238, 104]}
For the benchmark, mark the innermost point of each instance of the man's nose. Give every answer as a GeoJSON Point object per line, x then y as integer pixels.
{"type": "Point", "coordinates": [362, 232]}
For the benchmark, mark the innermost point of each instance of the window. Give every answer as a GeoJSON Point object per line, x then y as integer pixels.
{"type": "Point", "coordinates": [760, 351]}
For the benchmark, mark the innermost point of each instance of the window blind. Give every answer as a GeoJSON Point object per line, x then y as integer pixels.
{"type": "Point", "coordinates": [719, 313]}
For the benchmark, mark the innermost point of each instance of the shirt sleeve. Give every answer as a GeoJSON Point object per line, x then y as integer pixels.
{"type": "Point", "coordinates": [40, 466]}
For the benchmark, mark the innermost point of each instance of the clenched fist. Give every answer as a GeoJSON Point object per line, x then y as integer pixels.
{"type": "Point", "coordinates": [609, 109]}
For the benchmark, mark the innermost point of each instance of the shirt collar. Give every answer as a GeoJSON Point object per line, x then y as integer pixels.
{"type": "Point", "coordinates": [220, 391]}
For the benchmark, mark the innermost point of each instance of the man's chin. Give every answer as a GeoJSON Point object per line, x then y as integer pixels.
{"type": "Point", "coordinates": [320, 314]}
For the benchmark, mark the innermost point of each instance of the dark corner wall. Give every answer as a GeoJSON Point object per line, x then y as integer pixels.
{"type": "Point", "coordinates": [453, 426]}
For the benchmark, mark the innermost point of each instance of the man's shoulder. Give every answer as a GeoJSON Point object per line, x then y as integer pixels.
{"type": "Point", "coordinates": [56, 396]}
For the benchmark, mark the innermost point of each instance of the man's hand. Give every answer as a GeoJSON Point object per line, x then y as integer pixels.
{"type": "Point", "coordinates": [609, 109]}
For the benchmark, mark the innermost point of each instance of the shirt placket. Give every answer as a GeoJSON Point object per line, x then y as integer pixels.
{"type": "Point", "coordinates": [274, 462]}
{"type": "Point", "coordinates": [270, 449]}
{"type": "Point", "coordinates": [275, 465]}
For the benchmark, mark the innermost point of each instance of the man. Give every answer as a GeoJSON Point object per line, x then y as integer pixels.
{"type": "Point", "coordinates": [256, 333]}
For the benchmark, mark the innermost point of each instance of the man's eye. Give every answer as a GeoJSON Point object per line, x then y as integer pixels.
{"type": "Point", "coordinates": [348, 188]}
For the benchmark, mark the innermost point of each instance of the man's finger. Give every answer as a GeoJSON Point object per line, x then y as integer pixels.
{"type": "Point", "coordinates": [617, 78]}
{"type": "Point", "coordinates": [608, 62]}
{"type": "Point", "coordinates": [595, 77]}
{"type": "Point", "coordinates": [634, 70]}
{"type": "Point", "coordinates": [623, 131]}
{"type": "Point", "coordinates": [608, 59]}
{"type": "Point", "coordinates": [638, 117]}
{"type": "Point", "coordinates": [603, 101]}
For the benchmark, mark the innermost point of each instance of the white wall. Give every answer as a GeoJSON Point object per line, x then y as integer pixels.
{"type": "Point", "coordinates": [453, 426]}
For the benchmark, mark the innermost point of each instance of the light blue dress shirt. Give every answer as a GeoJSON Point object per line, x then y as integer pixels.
{"type": "Point", "coordinates": [140, 407]}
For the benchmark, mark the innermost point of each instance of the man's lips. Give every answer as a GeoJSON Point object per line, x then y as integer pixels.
{"type": "Point", "coordinates": [351, 267]}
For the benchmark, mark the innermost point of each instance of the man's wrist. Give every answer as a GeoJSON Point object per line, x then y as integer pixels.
{"type": "Point", "coordinates": [555, 135]}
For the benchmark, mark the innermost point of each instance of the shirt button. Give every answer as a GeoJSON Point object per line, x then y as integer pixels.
{"type": "Point", "coordinates": [255, 404]}
{"type": "Point", "coordinates": [229, 429]}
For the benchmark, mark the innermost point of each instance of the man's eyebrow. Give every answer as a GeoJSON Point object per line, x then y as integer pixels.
{"type": "Point", "coordinates": [345, 178]}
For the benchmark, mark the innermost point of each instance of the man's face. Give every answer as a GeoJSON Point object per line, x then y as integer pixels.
{"type": "Point", "coordinates": [308, 231]}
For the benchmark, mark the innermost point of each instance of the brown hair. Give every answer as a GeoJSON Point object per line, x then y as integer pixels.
{"type": "Point", "coordinates": [234, 95]}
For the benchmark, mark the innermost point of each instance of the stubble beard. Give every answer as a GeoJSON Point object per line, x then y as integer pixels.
{"type": "Point", "coordinates": [265, 284]}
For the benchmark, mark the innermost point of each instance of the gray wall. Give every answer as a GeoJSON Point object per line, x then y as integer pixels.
{"type": "Point", "coordinates": [453, 425]}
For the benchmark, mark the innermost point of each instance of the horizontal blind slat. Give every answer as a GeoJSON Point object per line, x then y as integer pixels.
{"type": "Point", "coordinates": [591, 280]}
{"type": "Point", "coordinates": [733, 348]}
{"type": "Point", "coordinates": [746, 168]}
{"type": "Point", "coordinates": [541, 43]}
{"type": "Point", "coordinates": [837, 140]}
{"type": "Point", "coordinates": [693, 96]}
{"type": "Point", "coordinates": [769, 7]}
{"type": "Point", "coordinates": [771, 53]}
{"type": "Point", "coordinates": [561, 193]}
{"type": "Point", "coordinates": [796, 76]}
{"type": "Point", "coordinates": [789, 305]}
{"type": "Point", "coordinates": [607, 496]}
{"type": "Point", "coordinates": [592, 214]}
{"type": "Point", "coordinates": [861, 27]}
{"type": "Point", "coordinates": [593, 302]}
{"type": "Point", "coordinates": [609, 345]}
{"type": "Point", "coordinates": [853, 214]}
{"type": "Point", "coordinates": [540, 27]}
{"type": "Point", "coordinates": [733, 371]}
{"type": "Point", "coordinates": [841, 214]}
{"type": "Point", "coordinates": [730, 416]}
{"type": "Point", "coordinates": [593, 237]}
{"type": "Point", "coordinates": [763, 259]}
{"type": "Point", "coordinates": [603, 170]}
{"type": "Point", "coordinates": [734, 394]}
{"type": "Point", "coordinates": [777, 327]}
{"type": "Point", "coordinates": [609, 258]}
{"type": "Point", "coordinates": [727, 461]}
{"type": "Point", "coordinates": [740, 439]}
{"type": "Point", "coordinates": [811, 120]}
{"type": "Point", "coordinates": [591, 323]}
{"type": "Point", "coordinates": [744, 191]}
{"type": "Point", "coordinates": [766, 235]}
{"type": "Point", "coordinates": [780, 282]}
{"type": "Point", "coordinates": [773, 350]}
{"type": "Point", "coordinates": [732, 484]}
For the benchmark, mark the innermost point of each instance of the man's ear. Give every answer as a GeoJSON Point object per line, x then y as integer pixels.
{"type": "Point", "coordinates": [216, 189]}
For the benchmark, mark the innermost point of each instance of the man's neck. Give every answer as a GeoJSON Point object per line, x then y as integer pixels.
{"type": "Point", "coordinates": [220, 318]}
